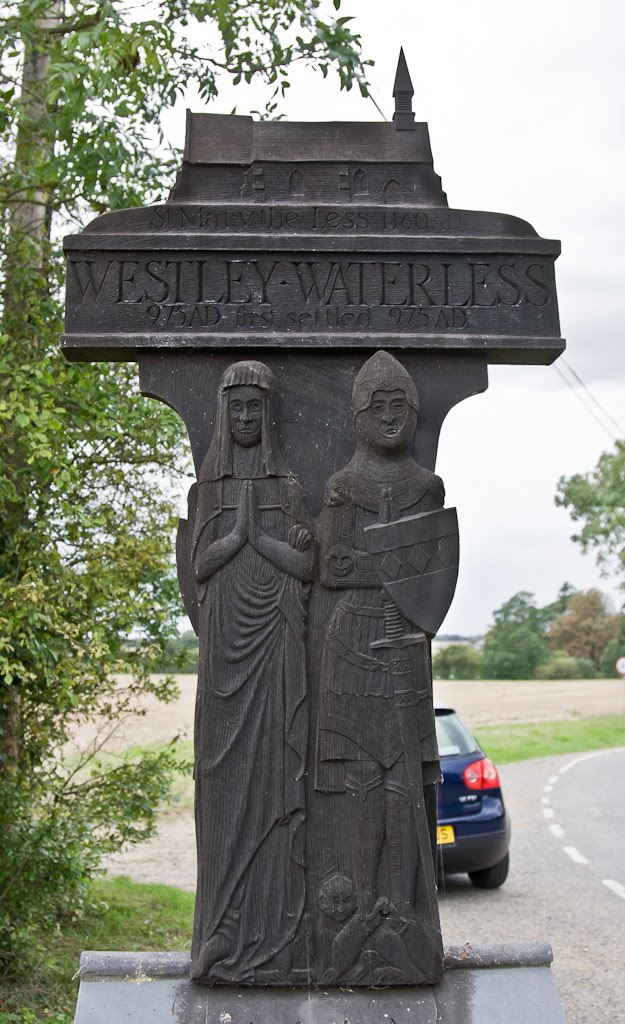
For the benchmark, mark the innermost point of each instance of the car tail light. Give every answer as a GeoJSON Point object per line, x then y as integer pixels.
{"type": "Point", "coordinates": [481, 774]}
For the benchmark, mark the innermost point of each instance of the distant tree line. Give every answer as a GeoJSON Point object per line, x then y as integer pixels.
{"type": "Point", "coordinates": [577, 636]}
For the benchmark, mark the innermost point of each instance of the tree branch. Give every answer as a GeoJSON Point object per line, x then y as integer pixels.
{"type": "Point", "coordinates": [66, 28]}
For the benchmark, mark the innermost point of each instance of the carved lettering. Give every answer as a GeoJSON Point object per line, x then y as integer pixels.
{"type": "Point", "coordinates": [479, 284]}
{"type": "Point", "coordinates": [306, 218]}
{"type": "Point", "coordinates": [256, 319]}
{"type": "Point", "coordinates": [320, 284]}
{"type": "Point", "coordinates": [236, 291]}
{"type": "Point", "coordinates": [419, 276]}
{"type": "Point", "coordinates": [394, 291]}
{"type": "Point", "coordinates": [88, 280]}
{"type": "Point", "coordinates": [539, 295]}
{"type": "Point", "coordinates": [506, 273]}
{"type": "Point", "coordinates": [154, 272]}
{"type": "Point", "coordinates": [439, 294]}
{"type": "Point", "coordinates": [178, 316]}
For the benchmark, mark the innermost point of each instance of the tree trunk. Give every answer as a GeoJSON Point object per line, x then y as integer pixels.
{"type": "Point", "coordinates": [25, 255]}
{"type": "Point", "coordinates": [30, 215]}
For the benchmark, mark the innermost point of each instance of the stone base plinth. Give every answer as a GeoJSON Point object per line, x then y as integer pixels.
{"type": "Point", "coordinates": [510, 984]}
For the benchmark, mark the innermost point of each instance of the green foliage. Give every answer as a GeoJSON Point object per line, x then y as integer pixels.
{"type": "Point", "coordinates": [182, 653]}
{"type": "Point", "coordinates": [585, 627]}
{"type": "Point", "coordinates": [57, 826]}
{"type": "Point", "coordinates": [118, 915]}
{"type": "Point", "coordinates": [505, 743]}
{"type": "Point", "coordinates": [85, 561]}
{"type": "Point", "coordinates": [114, 67]}
{"type": "Point", "coordinates": [561, 665]}
{"type": "Point", "coordinates": [551, 611]}
{"type": "Point", "coordinates": [596, 501]}
{"type": "Point", "coordinates": [587, 668]}
{"type": "Point", "coordinates": [574, 637]}
{"type": "Point", "coordinates": [515, 645]}
{"type": "Point", "coordinates": [86, 582]}
{"type": "Point", "coordinates": [458, 661]}
{"type": "Point", "coordinates": [613, 650]}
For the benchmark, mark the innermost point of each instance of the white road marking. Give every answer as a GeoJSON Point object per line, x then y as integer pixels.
{"type": "Point", "coordinates": [616, 887]}
{"type": "Point", "coordinates": [575, 855]}
{"type": "Point", "coordinates": [587, 757]}
{"type": "Point", "coordinates": [571, 851]}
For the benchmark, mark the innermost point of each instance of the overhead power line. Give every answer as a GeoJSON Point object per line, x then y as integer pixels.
{"type": "Point", "coordinates": [592, 397]}
{"type": "Point", "coordinates": [589, 401]}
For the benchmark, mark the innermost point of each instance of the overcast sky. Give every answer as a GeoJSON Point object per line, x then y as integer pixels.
{"type": "Point", "coordinates": [525, 104]}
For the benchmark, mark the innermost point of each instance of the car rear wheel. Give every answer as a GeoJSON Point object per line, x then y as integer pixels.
{"type": "Point", "coordinates": [491, 878]}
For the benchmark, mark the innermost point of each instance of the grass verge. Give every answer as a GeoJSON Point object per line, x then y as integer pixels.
{"type": "Point", "coordinates": [123, 915]}
{"type": "Point", "coordinates": [521, 741]}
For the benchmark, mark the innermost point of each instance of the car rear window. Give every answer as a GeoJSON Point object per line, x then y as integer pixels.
{"type": "Point", "coordinates": [453, 736]}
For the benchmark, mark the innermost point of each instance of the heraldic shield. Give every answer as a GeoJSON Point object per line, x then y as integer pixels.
{"type": "Point", "coordinates": [416, 559]}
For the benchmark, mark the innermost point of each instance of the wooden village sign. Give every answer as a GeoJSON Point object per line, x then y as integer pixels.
{"type": "Point", "coordinates": [309, 304]}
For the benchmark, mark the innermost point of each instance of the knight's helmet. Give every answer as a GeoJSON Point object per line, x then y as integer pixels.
{"type": "Point", "coordinates": [382, 373]}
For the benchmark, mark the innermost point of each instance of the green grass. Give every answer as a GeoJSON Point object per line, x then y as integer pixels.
{"type": "Point", "coordinates": [124, 916]}
{"type": "Point", "coordinates": [520, 741]}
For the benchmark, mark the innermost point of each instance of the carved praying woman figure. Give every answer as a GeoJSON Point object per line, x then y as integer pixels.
{"type": "Point", "coordinates": [253, 559]}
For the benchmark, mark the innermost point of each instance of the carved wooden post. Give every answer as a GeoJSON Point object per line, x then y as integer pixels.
{"type": "Point", "coordinates": [312, 308]}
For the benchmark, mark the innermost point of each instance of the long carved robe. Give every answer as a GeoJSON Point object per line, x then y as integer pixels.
{"type": "Point", "coordinates": [250, 732]}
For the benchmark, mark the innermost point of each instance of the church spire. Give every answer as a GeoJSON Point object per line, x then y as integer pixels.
{"type": "Point", "coordinates": [403, 118]}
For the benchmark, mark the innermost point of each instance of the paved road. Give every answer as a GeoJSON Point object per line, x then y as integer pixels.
{"type": "Point", "coordinates": [587, 802]}
{"type": "Point", "coordinates": [557, 805]}
{"type": "Point", "coordinates": [568, 820]}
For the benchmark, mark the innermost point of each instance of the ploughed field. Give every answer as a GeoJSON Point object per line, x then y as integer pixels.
{"type": "Point", "coordinates": [479, 702]}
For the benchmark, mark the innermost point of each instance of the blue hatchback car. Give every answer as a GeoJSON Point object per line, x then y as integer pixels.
{"type": "Point", "coordinates": [473, 832]}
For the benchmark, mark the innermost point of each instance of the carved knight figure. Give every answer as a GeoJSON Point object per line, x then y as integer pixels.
{"type": "Point", "coordinates": [253, 559]}
{"type": "Point", "coordinates": [360, 748]}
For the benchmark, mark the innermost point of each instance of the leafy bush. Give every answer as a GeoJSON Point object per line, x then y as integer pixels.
{"type": "Point", "coordinates": [119, 915]}
{"type": "Point", "coordinates": [587, 668]}
{"type": "Point", "coordinates": [59, 822]}
{"type": "Point", "coordinates": [458, 661]}
{"type": "Point", "coordinates": [560, 666]}
{"type": "Point", "coordinates": [182, 654]}
{"type": "Point", "coordinates": [613, 650]}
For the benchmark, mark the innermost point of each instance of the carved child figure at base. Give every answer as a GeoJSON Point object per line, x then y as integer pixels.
{"type": "Point", "coordinates": [358, 946]}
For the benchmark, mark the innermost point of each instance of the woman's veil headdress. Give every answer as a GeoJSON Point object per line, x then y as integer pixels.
{"type": "Point", "coordinates": [218, 460]}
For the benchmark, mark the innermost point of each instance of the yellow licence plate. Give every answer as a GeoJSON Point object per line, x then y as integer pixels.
{"type": "Point", "coordinates": [445, 834]}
